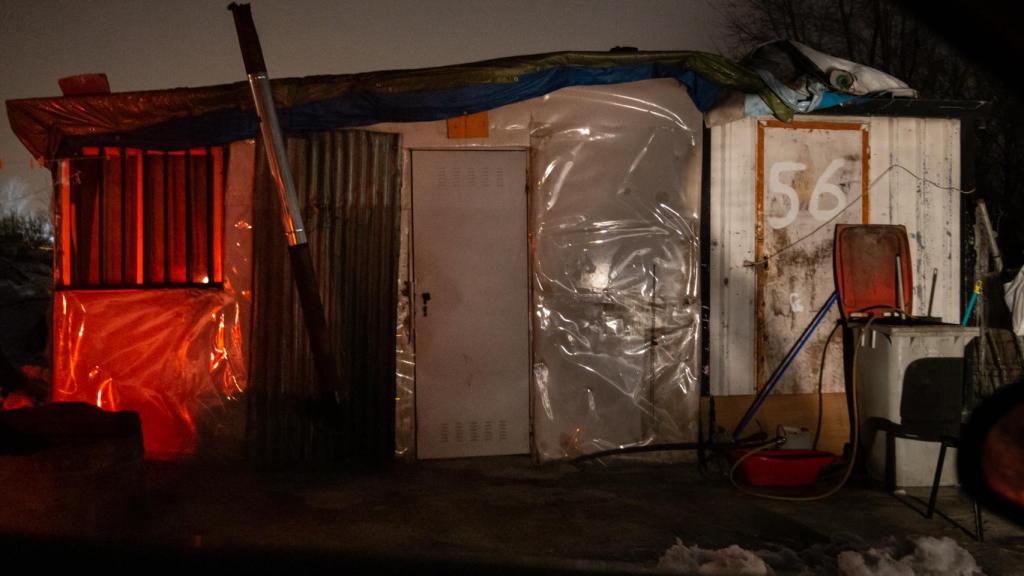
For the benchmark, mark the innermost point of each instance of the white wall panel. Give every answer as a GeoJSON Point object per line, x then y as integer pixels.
{"type": "Point", "coordinates": [733, 149]}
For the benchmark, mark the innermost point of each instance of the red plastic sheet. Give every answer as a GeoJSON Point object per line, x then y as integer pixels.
{"type": "Point", "coordinates": [173, 356]}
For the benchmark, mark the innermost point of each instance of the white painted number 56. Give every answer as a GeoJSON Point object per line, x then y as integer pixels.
{"type": "Point", "coordinates": [820, 209]}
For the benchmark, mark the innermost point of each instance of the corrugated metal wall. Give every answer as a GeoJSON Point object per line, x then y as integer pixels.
{"type": "Point", "coordinates": [911, 161]}
{"type": "Point", "coordinates": [349, 184]}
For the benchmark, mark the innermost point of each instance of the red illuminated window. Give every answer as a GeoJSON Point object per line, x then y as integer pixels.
{"type": "Point", "coordinates": [141, 218]}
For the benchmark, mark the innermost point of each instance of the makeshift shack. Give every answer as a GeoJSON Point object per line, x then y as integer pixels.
{"type": "Point", "coordinates": [509, 252]}
{"type": "Point", "coordinates": [882, 162]}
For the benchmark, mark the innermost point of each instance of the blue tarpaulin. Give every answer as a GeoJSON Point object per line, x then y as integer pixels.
{"type": "Point", "coordinates": [190, 117]}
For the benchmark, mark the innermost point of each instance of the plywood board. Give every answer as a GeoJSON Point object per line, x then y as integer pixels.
{"type": "Point", "coordinates": [800, 410]}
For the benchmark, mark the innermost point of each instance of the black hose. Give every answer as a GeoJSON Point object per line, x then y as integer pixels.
{"type": "Point", "coordinates": [668, 447]}
{"type": "Point", "coordinates": [821, 378]}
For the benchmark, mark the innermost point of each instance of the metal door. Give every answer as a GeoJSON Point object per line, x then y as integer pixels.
{"type": "Point", "coordinates": [471, 302]}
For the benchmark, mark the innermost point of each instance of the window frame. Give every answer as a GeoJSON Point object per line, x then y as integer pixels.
{"type": "Point", "coordinates": [145, 220]}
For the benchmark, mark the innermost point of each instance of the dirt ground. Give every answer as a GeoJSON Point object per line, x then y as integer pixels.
{"type": "Point", "coordinates": [508, 515]}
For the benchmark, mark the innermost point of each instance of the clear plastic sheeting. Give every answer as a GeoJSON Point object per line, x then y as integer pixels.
{"type": "Point", "coordinates": [405, 355]}
{"type": "Point", "coordinates": [615, 187]}
{"type": "Point", "coordinates": [615, 269]}
{"type": "Point", "coordinates": [1013, 293]}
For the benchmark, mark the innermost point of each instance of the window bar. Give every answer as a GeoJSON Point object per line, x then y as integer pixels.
{"type": "Point", "coordinates": [124, 216]}
{"type": "Point", "coordinates": [167, 221]}
{"type": "Point", "coordinates": [100, 193]}
{"type": "Point", "coordinates": [64, 221]}
{"type": "Point", "coordinates": [189, 194]}
{"type": "Point", "coordinates": [140, 218]}
{"type": "Point", "coordinates": [210, 277]}
{"type": "Point", "coordinates": [144, 247]}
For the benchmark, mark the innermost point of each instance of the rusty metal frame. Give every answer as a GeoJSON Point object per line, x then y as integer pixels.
{"type": "Point", "coordinates": [760, 343]}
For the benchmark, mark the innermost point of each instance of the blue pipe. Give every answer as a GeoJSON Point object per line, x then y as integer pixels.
{"type": "Point", "coordinates": [970, 309]}
{"type": "Point", "coordinates": [780, 371]}
{"type": "Point", "coordinates": [971, 303]}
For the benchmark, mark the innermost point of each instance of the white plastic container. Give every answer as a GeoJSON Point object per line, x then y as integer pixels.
{"type": "Point", "coordinates": [883, 355]}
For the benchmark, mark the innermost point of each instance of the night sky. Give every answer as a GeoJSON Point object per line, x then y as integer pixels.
{"type": "Point", "coordinates": [154, 45]}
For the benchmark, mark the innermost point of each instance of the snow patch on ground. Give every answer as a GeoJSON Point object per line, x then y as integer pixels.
{"type": "Point", "coordinates": [929, 557]}
{"type": "Point", "coordinates": [845, 555]}
{"type": "Point", "coordinates": [683, 559]}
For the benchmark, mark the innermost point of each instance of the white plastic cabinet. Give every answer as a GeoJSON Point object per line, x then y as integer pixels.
{"type": "Point", "coordinates": [884, 354]}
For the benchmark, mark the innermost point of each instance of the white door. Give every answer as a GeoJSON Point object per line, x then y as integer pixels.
{"type": "Point", "coordinates": [471, 303]}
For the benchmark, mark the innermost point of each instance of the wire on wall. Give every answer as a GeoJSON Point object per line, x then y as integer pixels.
{"type": "Point", "coordinates": [766, 259]}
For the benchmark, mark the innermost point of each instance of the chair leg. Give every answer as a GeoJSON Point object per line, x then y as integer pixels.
{"type": "Point", "coordinates": [938, 478]}
{"type": "Point", "coordinates": [979, 529]}
{"type": "Point", "coordinates": [890, 461]}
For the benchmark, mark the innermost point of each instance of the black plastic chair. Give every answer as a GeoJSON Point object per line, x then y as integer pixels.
{"type": "Point", "coordinates": [931, 405]}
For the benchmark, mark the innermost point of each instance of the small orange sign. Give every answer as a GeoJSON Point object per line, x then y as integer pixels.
{"type": "Point", "coordinates": [468, 126]}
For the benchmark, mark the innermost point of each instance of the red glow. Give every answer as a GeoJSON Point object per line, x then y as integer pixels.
{"type": "Point", "coordinates": [166, 354]}
{"type": "Point", "coordinates": [15, 401]}
{"type": "Point", "coordinates": [64, 218]}
{"type": "Point", "coordinates": [134, 217]}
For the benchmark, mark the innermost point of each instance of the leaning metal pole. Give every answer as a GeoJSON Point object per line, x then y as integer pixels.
{"type": "Point", "coordinates": [780, 371]}
{"type": "Point", "coordinates": [324, 360]}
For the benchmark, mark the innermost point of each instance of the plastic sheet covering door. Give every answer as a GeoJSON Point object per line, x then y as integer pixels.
{"type": "Point", "coordinates": [615, 266]}
{"type": "Point", "coordinates": [177, 356]}
{"type": "Point", "coordinates": [614, 183]}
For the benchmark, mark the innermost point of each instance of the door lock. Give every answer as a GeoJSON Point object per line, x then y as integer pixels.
{"type": "Point", "coordinates": [426, 298]}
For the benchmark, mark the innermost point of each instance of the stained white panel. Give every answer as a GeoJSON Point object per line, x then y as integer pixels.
{"type": "Point", "coordinates": [914, 162]}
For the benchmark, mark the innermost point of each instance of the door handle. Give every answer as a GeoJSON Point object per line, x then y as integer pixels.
{"type": "Point", "coordinates": [426, 298]}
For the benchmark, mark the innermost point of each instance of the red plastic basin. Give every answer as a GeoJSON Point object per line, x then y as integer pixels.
{"type": "Point", "coordinates": [784, 467]}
